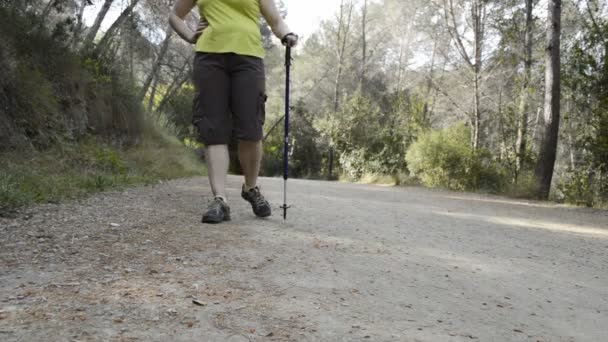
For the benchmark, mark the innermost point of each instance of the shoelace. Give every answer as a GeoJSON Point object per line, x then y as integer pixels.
{"type": "Point", "coordinates": [216, 205]}
{"type": "Point", "coordinates": [258, 198]}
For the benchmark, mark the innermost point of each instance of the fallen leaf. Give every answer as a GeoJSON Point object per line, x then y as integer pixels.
{"type": "Point", "coordinates": [199, 302]}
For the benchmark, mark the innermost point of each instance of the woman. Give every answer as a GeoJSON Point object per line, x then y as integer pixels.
{"type": "Point", "coordinates": [229, 79]}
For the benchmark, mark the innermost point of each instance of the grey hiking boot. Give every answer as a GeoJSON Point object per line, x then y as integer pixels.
{"type": "Point", "coordinates": [260, 206]}
{"type": "Point", "coordinates": [217, 212]}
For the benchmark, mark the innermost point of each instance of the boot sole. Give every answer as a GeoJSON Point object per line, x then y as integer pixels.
{"type": "Point", "coordinates": [264, 214]}
{"type": "Point", "coordinates": [215, 220]}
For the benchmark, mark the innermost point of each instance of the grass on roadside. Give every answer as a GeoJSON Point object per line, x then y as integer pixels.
{"type": "Point", "coordinates": [74, 171]}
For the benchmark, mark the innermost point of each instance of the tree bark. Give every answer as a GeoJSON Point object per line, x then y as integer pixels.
{"type": "Point", "coordinates": [178, 81]}
{"type": "Point", "coordinates": [88, 41]}
{"type": "Point", "coordinates": [522, 127]}
{"type": "Point", "coordinates": [79, 24]}
{"type": "Point", "coordinates": [550, 125]}
{"type": "Point", "coordinates": [107, 37]}
{"type": "Point", "coordinates": [47, 9]}
{"type": "Point", "coordinates": [479, 11]}
{"type": "Point", "coordinates": [363, 45]}
{"type": "Point", "coordinates": [153, 94]}
{"type": "Point", "coordinates": [156, 66]}
{"type": "Point", "coordinates": [478, 17]}
{"type": "Point", "coordinates": [342, 39]}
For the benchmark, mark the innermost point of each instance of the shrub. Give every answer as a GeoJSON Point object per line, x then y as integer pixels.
{"type": "Point", "coordinates": [524, 187]}
{"type": "Point", "coordinates": [445, 159]}
{"type": "Point", "coordinates": [583, 187]}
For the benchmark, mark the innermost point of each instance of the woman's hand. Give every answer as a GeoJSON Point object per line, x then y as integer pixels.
{"type": "Point", "coordinates": [176, 19]}
{"type": "Point", "coordinates": [202, 25]}
{"type": "Point", "coordinates": [290, 39]}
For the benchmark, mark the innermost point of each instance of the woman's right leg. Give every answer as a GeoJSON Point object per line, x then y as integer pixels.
{"type": "Point", "coordinates": [212, 118]}
{"type": "Point", "coordinates": [218, 161]}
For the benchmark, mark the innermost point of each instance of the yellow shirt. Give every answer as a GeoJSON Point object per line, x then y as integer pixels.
{"type": "Point", "coordinates": [233, 27]}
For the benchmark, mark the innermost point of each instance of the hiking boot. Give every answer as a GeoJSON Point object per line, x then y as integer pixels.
{"type": "Point", "coordinates": [260, 206]}
{"type": "Point", "coordinates": [217, 212]}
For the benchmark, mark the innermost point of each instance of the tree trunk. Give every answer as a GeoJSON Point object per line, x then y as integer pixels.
{"type": "Point", "coordinates": [342, 39]}
{"type": "Point", "coordinates": [88, 41]}
{"type": "Point", "coordinates": [479, 11]}
{"type": "Point", "coordinates": [476, 112]}
{"type": "Point", "coordinates": [47, 9]}
{"type": "Point", "coordinates": [107, 37]}
{"type": "Point", "coordinates": [331, 162]}
{"type": "Point", "coordinates": [153, 94]}
{"type": "Point", "coordinates": [400, 68]}
{"type": "Point", "coordinates": [79, 24]}
{"type": "Point", "coordinates": [178, 81]}
{"type": "Point", "coordinates": [363, 45]}
{"type": "Point", "coordinates": [550, 125]}
{"type": "Point", "coordinates": [478, 17]}
{"type": "Point", "coordinates": [522, 127]}
{"type": "Point", "coordinates": [429, 84]}
{"type": "Point", "coordinates": [156, 66]}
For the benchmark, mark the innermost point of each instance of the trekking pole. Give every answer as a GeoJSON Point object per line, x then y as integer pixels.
{"type": "Point", "coordinates": [286, 152]}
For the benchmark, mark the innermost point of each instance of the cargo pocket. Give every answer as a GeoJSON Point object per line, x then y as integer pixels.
{"type": "Point", "coordinates": [197, 119]}
{"type": "Point", "coordinates": [262, 98]}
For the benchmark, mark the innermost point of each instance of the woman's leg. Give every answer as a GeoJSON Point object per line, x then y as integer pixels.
{"type": "Point", "coordinates": [212, 118]}
{"type": "Point", "coordinates": [250, 157]}
{"type": "Point", "coordinates": [248, 107]}
{"type": "Point", "coordinates": [248, 102]}
{"type": "Point", "coordinates": [218, 161]}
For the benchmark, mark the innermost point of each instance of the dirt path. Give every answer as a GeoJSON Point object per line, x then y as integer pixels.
{"type": "Point", "coordinates": [352, 263]}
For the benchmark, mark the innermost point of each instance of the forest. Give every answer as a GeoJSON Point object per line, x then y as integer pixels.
{"type": "Point", "coordinates": [499, 96]}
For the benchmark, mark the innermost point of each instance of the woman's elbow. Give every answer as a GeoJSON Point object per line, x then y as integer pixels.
{"type": "Point", "coordinates": [276, 25]}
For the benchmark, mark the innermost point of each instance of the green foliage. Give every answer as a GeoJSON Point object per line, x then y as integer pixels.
{"type": "Point", "coordinates": [305, 149]}
{"type": "Point", "coordinates": [179, 111]}
{"type": "Point", "coordinates": [48, 94]}
{"type": "Point", "coordinates": [586, 87]}
{"type": "Point", "coordinates": [578, 189]}
{"type": "Point", "coordinates": [583, 187]}
{"type": "Point", "coordinates": [10, 193]}
{"type": "Point", "coordinates": [373, 140]}
{"type": "Point", "coordinates": [445, 159]}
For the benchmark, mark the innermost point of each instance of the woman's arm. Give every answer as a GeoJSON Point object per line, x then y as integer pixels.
{"type": "Point", "coordinates": [176, 20]}
{"type": "Point", "coordinates": [279, 27]}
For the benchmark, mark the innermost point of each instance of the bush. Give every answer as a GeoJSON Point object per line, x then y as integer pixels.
{"type": "Point", "coordinates": [583, 187]}
{"type": "Point", "coordinates": [525, 187]}
{"type": "Point", "coordinates": [445, 159]}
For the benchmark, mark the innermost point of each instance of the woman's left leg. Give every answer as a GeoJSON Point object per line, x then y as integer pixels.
{"type": "Point", "coordinates": [248, 101]}
{"type": "Point", "coordinates": [250, 157]}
